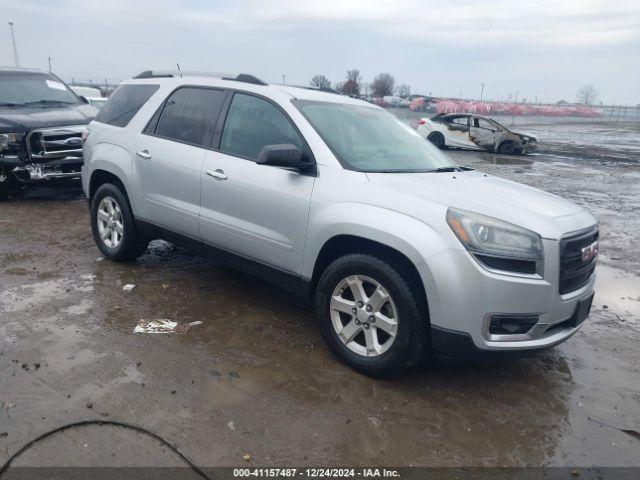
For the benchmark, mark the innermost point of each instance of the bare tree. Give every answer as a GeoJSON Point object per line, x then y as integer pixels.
{"type": "Point", "coordinates": [352, 85]}
{"type": "Point", "coordinates": [403, 90]}
{"type": "Point", "coordinates": [588, 94]}
{"type": "Point", "coordinates": [320, 81]}
{"type": "Point", "coordinates": [382, 85]}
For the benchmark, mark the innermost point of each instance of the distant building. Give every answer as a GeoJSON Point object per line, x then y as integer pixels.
{"type": "Point", "coordinates": [562, 103]}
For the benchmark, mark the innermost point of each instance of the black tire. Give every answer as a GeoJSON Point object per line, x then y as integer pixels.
{"type": "Point", "coordinates": [437, 139]}
{"type": "Point", "coordinates": [411, 343]}
{"type": "Point", "coordinates": [132, 245]}
{"type": "Point", "coordinates": [507, 148]}
{"type": "Point", "coordinates": [4, 186]}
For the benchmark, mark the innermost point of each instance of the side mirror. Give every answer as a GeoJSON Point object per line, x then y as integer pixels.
{"type": "Point", "coordinates": [280, 155]}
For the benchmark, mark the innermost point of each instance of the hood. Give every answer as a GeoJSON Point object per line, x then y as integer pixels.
{"type": "Point", "coordinates": [20, 120]}
{"type": "Point", "coordinates": [524, 134]}
{"type": "Point", "coordinates": [541, 212]}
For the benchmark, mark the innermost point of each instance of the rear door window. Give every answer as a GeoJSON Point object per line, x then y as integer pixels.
{"type": "Point", "coordinates": [464, 121]}
{"type": "Point", "coordinates": [190, 115]}
{"type": "Point", "coordinates": [253, 123]}
{"type": "Point", "coordinates": [124, 103]}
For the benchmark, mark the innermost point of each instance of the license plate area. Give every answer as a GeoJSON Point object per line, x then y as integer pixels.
{"type": "Point", "coordinates": [582, 311]}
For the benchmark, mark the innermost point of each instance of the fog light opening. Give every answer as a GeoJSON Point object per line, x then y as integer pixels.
{"type": "Point", "coordinates": [511, 325]}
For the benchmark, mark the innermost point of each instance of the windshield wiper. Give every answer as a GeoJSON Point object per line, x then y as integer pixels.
{"type": "Point", "coordinates": [10, 104]}
{"type": "Point", "coordinates": [49, 102]}
{"type": "Point", "coordinates": [445, 169]}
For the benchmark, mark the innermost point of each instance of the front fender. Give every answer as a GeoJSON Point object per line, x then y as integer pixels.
{"type": "Point", "coordinates": [413, 238]}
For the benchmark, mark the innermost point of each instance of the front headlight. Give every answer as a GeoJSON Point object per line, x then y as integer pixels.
{"type": "Point", "coordinates": [10, 142]}
{"type": "Point", "coordinates": [495, 243]}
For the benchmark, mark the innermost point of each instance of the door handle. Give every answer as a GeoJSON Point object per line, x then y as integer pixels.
{"type": "Point", "coordinates": [217, 174]}
{"type": "Point", "coordinates": [144, 154]}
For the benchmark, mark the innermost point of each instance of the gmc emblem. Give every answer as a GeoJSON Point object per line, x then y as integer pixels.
{"type": "Point", "coordinates": [589, 252]}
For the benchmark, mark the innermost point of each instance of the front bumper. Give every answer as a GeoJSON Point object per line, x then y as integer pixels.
{"type": "Point", "coordinates": [63, 168]}
{"type": "Point", "coordinates": [463, 296]}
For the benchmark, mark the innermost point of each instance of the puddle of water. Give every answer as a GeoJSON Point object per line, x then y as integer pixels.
{"type": "Point", "coordinates": [28, 295]}
{"type": "Point", "coordinates": [82, 308]}
{"type": "Point", "coordinates": [619, 290]}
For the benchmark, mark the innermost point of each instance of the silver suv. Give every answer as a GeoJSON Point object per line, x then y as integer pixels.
{"type": "Point", "coordinates": [402, 252]}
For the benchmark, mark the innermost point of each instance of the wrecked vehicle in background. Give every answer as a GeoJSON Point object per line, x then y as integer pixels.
{"type": "Point", "coordinates": [465, 130]}
{"type": "Point", "coordinates": [41, 127]}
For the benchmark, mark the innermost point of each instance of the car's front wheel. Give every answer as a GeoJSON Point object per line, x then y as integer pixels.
{"type": "Point", "coordinates": [507, 148]}
{"type": "Point", "coordinates": [4, 186]}
{"type": "Point", "coordinates": [370, 315]}
{"type": "Point", "coordinates": [113, 226]}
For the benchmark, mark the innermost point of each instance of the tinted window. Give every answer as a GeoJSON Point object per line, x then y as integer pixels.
{"type": "Point", "coordinates": [253, 123]}
{"type": "Point", "coordinates": [190, 115]}
{"type": "Point", "coordinates": [124, 103]}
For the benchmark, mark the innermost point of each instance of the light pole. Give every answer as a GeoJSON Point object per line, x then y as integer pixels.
{"type": "Point", "coordinates": [15, 49]}
{"type": "Point", "coordinates": [482, 91]}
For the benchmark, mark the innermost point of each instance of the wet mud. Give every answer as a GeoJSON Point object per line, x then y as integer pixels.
{"type": "Point", "coordinates": [254, 378]}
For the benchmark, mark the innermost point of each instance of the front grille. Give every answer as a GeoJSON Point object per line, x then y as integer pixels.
{"type": "Point", "coordinates": [574, 272]}
{"type": "Point", "coordinates": [55, 143]}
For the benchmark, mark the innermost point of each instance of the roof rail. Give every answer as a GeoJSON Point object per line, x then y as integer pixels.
{"type": "Point", "coordinates": [240, 77]}
{"type": "Point", "coordinates": [317, 89]}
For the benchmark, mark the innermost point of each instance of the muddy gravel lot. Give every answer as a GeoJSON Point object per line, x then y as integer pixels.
{"type": "Point", "coordinates": [253, 384]}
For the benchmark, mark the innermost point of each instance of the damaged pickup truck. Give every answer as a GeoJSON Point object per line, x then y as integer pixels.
{"type": "Point", "coordinates": [41, 127]}
{"type": "Point", "coordinates": [466, 130]}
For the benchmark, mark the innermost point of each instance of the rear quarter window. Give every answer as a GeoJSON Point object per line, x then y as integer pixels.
{"type": "Point", "coordinates": [124, 103]}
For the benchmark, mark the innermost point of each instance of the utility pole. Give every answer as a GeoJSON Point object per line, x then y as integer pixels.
{"type": "Point", "coordinates": [49, 64]}
{"type": "Point", "coordinates": [513, 119]}
{"type": "Point", "coordinates": [15, 49]}
{"type": "Point", "coordinates": [482, 91]}
{"type": "Point", "coordinates": [283, 77]}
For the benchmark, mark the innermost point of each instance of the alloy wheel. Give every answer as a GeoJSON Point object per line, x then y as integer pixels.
{"type": "Point", "coordinates": [110, 225]}
{"type": "Point", "coordinates": [363, 315]}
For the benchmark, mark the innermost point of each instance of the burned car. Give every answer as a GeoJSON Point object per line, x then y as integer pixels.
{"type": "Point", "coordinates": [41, 127]}
{"type": "Point", "coordinates": [466, 130]}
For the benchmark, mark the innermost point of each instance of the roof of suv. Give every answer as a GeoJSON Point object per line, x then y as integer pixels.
{"type": "Point", "coordinates": [241, 82]}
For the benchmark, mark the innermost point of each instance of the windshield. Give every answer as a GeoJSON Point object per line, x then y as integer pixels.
{"type": "Point", "coordinates": [37, 89]}
{"type": "Point", "coordinates": [370, 139]}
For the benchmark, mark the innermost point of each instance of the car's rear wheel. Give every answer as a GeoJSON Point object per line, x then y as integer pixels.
{"type": "Point", "coordinates": [370, 316]}
{"type": "Point", "coordinates": [507, 148]}
{"type": "Point", "coordinates": [437, 139]}
{"type": "Point", "coordinates": [113, 225]}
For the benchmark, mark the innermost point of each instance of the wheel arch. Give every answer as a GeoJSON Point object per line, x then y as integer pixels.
{"type": "Point", "coordinates": [100, 177]}
{"type": "Point", "coordinates": [344, 244]}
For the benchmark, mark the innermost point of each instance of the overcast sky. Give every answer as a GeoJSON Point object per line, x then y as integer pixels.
{"type": "Point", "coordinates": [544, 49]}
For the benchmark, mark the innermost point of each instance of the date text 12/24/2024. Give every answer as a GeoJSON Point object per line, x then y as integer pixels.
{"type": "Point", "coordinates": [315, 473]}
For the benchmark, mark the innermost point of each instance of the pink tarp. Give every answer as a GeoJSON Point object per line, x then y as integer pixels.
{"type": "Point", "coordinates": [490, 108]}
